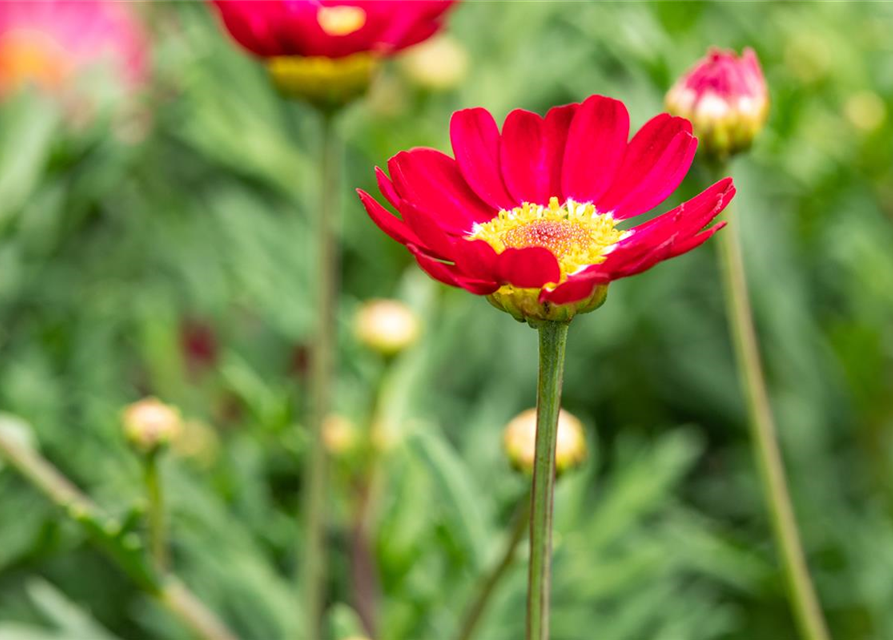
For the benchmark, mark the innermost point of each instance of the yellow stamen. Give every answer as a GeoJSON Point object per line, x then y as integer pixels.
{"type": "Point", "coordinates": [341, 21]}
{"type": "Point", "coordinates": [575, 232]}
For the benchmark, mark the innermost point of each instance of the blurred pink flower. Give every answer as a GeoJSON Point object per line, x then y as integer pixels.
{"type": "Point", "coordinates": [50, 42]}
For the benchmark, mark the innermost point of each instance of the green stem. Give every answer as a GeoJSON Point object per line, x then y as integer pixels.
{"type": "Point", "coordinates": [488, 585]}
{"type": "Point", "coordinates": [156, 516]}
{"type": "Point", "coordinates": [765, 442]}
{"type": "Point", "coordinates": [553, 340]}
{"type": "Point", "coordinates": [314, 565]}
{"type": "Point", "coordinates": [118, 543]}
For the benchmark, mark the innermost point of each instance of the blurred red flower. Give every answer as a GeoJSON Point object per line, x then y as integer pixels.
{"type": "Point", "coordinates": [50, 42]}
{"type": "Point", "coordinates": [330, 28]}
{"type": "Point", "coordinates": [528, 216]}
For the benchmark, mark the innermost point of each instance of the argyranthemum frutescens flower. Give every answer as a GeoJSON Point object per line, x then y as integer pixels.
{"type": "Point", "coordinates": [326, 50]}
{"type": "Point", "coordinates": [532, 216]}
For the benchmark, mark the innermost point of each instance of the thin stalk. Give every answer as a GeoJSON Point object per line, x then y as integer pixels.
{"type": "Point", "coordinates": [156, 516]}
{"type": "Point", "coordinates": [365, 579]}
{"type": "Point", "coordinates": [313, 556]}
{"type": "Point", "coordinates": [807, 610]}
{"type": "Point", "coordinates": [115, 541]}
{"type": "Point", "coordinates": [488, 584]}
{"type": "Point", "coordinates": [553, 340]}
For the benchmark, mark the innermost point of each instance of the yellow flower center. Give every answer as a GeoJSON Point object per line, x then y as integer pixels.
{"type": "Point", "coordinates": [341, 21]}
{"type": "Point", "coordinates": [31, 56]}
{"type": "Point", "coordinates": [574, 232]}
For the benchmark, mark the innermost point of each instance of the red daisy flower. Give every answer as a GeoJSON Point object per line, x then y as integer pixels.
{"type": "Point", "coordinates": [330, 28]}
{"type": "Point", "coordinates": [530, 217]}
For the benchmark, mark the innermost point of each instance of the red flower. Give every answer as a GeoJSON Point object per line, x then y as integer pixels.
{"type": "Point", "coordinates": [330, 28]}
{"type": "Point", "coordinates": [725, 97]}
{"type": "Point", "coordinates": [529, 216]}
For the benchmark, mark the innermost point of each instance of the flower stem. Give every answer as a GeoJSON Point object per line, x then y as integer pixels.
{"type": "Point", "coordinates": [553, 340]}
{"type": "Point", "coordinates": [803, 597]}
{"type": "Point", "coordinates": [116, 541]}
{"type": "Point", "coordinates": [157, 525]}
{"type": "Point", "coordinates": [313, 554]}
{"type": "Point", "coordinates": [488, 585]}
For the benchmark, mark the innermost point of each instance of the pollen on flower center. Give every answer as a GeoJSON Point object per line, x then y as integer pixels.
{"type": "Point", "coordinates": [574, 232]}
{"type": "Point", "coordinates": [341, 20]}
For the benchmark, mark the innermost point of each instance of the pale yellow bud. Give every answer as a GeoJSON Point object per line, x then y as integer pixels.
{"type": "Point", "coordinates": [519, 439]}
{"type": "Point", "coordinates": [865, 110]}
{"type": "Point", "coordinates": [339, 435]}
{"type": "Point", "coordinates": [198, 442]}
{"type": "Point", "coordinates": [386, 326]}
{"type": "Point", "coordinates": [440, 63]}
{"type": "Point", "coordinates": [150, 424]}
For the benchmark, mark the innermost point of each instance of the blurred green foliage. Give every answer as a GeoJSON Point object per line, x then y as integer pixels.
{"type": "Point", "coordinates": [139, 241]}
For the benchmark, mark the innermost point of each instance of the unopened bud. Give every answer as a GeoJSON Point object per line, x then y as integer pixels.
{"type": "Point", "coordinates": [386, 326]}
{"type": "Point", "coordinates": [726, 99]}
{"type": "Point", "coordinates": [339, 435]}
{"type": "Point", "coordinates": [519, 439]}
{"type": "Point", "coordinates": [198, 442]}
{"type": "Point", "coordinates": [439, 64]}
{"type": "Point", "coordinates": [150, 424]}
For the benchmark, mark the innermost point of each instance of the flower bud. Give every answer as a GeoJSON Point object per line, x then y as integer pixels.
{"type": "Point", "coordinates": [519, 439]}
{"type": "Point", "coordinates": [386, 326]}
{"type": "Point", "coordinates": [726, 99]}
{"type": "Point", "coordinates": [150, 424]}
{"type": "Point", "coordinates": [339, 435]}
{"type": "Point", "coordinates": [439, 64]}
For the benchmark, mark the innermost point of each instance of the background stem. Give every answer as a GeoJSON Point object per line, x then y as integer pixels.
{"type": "Point", "coordinates": [108, 535]}
{"type": "Point", "coordinates": [156, 516]}
{"type": "Point", "coordinates": [488, 585]}
{"type": "Point", "coordinates": [802, 594]}
{"type": "Point", "coordinates": [313, 554]}
{"type": "Point", "coordinates": [553, 340]}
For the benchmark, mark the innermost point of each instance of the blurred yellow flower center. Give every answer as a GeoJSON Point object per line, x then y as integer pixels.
{"type": "Point", "coordinates": [31, 56]}
{"type": "Point", "coordinates": [574, 232]}
{"type": "Point", "coordinates": [341, 21]}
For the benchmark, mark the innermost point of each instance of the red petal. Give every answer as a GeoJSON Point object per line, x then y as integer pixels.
{"type": "Point", "coordinates": [527, 268]}
{"type": "Point", "coordinates": [475, 258]}
{"type": "Point", "coordinates": [596, 143]}
{"type": "Point", "coordinates": [475, 139]}
{"type": "Point", "coordinates": [390, 224]}
{"type": "Point", "coordinates": [689, 217]}
{"type": "Point", "coordinates": [431, 181]}
{"type": "Point", "coordinates": [655, 162]}
{"type": "Point", "coordinates": [448, 274]}
{"type": "Point", "coordinates": [574, 289]}
{"type": "Point", "coordinates": [433, 238]}
{"type": "Point", "coordinates": [387, 189]}
{"type": "Point", "coordinates": [695, 241]}
{"type": "Point", "coordinates": [532, 151]}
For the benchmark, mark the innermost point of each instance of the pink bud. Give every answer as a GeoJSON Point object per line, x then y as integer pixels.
{"type": "Point", "coordinates": [725, 97]}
